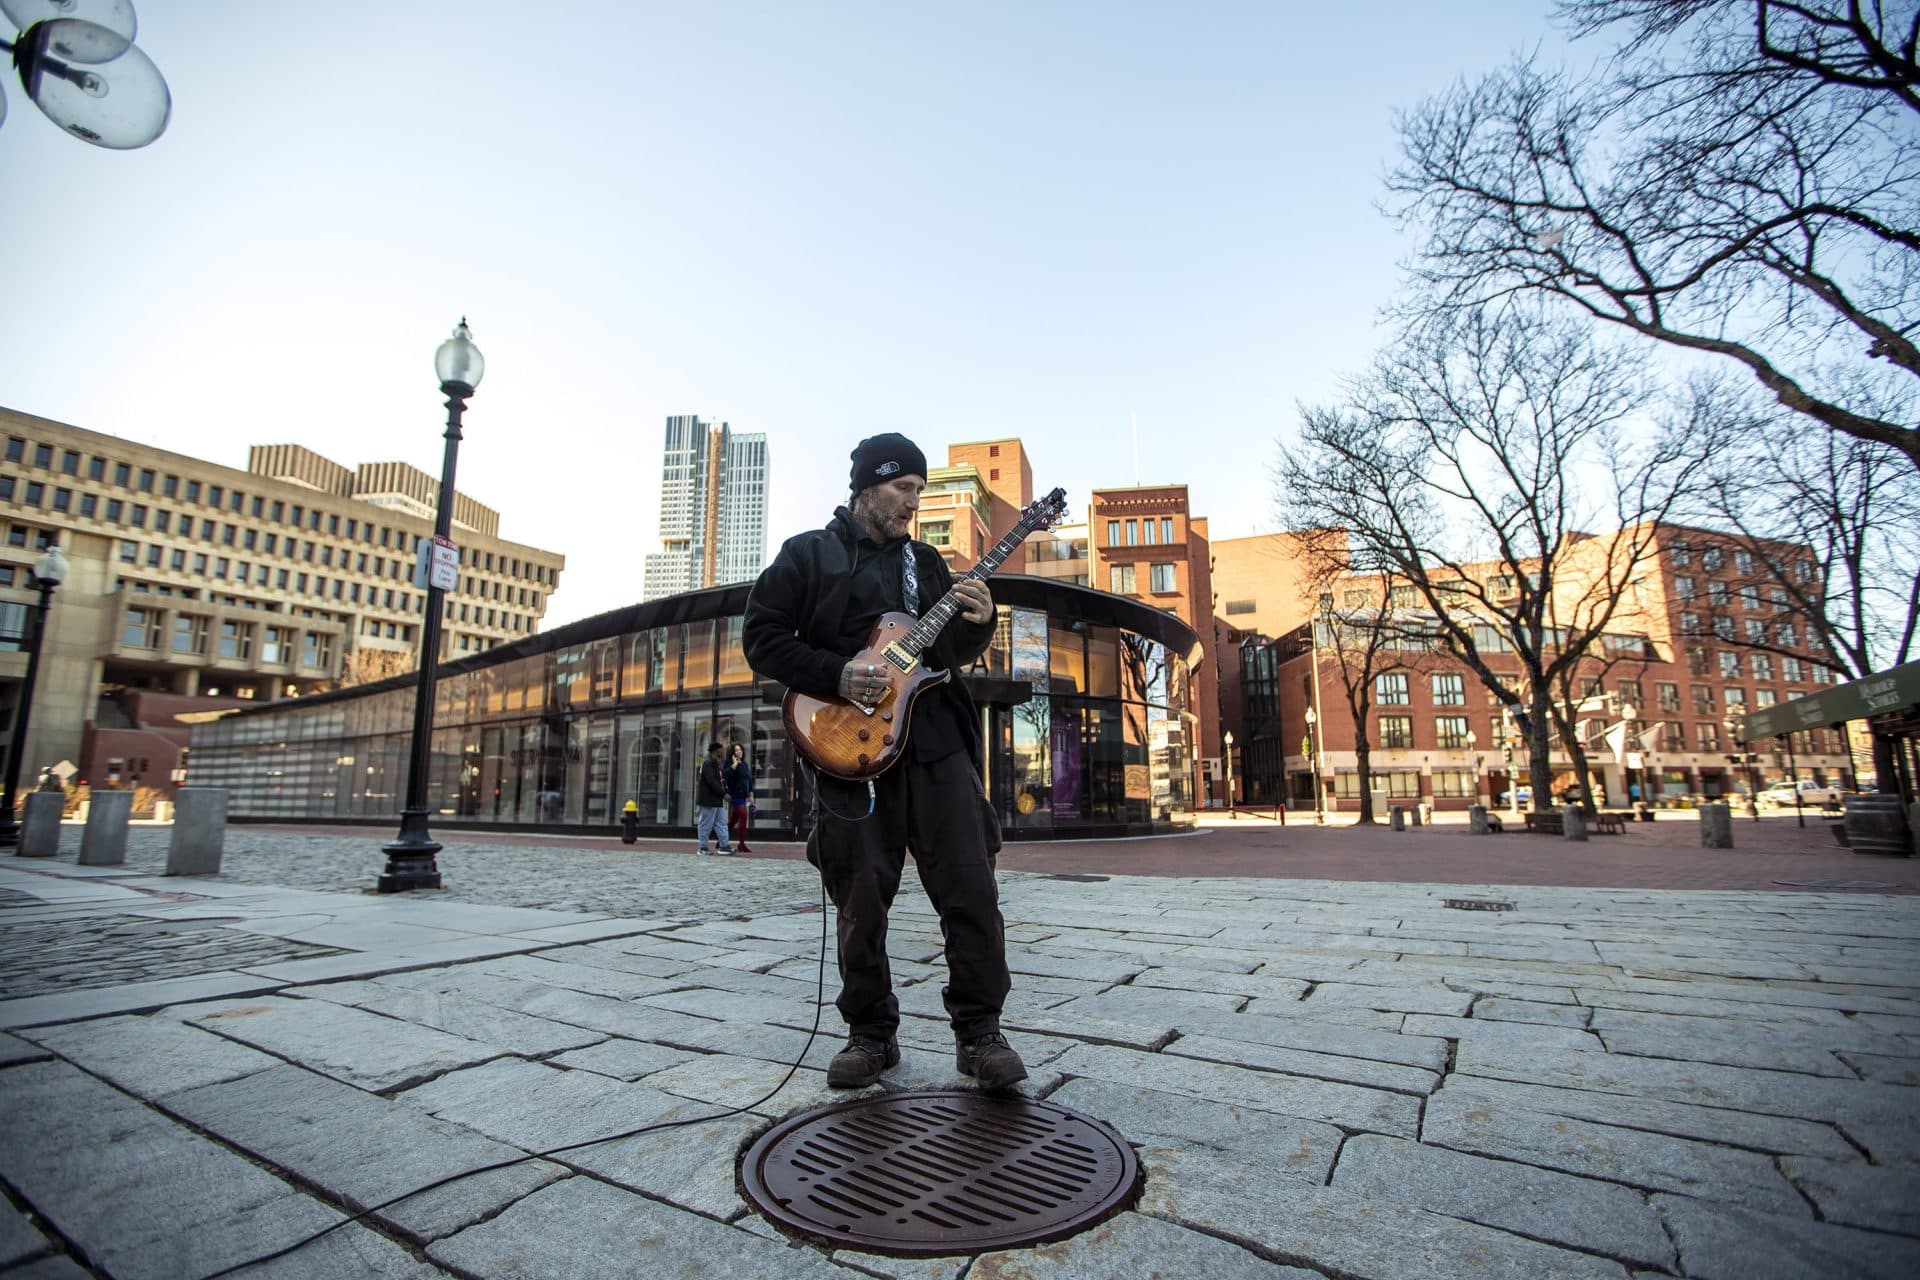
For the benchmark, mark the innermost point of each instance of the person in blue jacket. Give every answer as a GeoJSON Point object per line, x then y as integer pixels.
{"type": "Point", "coordinates": [739, 795]}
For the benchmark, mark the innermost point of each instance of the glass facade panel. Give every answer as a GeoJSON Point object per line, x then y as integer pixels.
{"type": "Point", "coordinates": [1104, 740]}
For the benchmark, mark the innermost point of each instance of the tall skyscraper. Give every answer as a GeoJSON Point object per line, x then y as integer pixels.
{"type": "Point", "coordinates": [713, 508]}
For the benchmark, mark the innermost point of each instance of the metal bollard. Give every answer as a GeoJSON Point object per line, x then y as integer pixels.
{"type": "Point", "coordinates": [199, 832]}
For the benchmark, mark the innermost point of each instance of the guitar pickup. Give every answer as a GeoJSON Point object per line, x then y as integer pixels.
{"type": "Point", "coordinates": [897, 658]}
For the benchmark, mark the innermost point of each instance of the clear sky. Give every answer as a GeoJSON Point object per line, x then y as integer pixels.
{"type": "Point", "coordinates": [814, 220]}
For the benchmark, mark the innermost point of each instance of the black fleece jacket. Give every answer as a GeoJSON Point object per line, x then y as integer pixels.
{"type": "Point", "coordinates": [815, 605]}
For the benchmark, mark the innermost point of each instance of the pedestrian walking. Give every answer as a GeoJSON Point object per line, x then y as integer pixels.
{"type": "Point", "coordinates": [739, 795]}
{"type": "Point", "coordinates": [710, 805]}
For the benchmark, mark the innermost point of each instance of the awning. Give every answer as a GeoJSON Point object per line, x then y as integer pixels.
{"type": "Point", "coordinates": [1884, 694]}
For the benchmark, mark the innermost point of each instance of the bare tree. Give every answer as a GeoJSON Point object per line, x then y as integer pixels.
{"type": "Point", "coordinates": [1356, 628]}
{"type": "Point", "coordinates": [1470, 462]}
{"type": "Point", "coordinates": [366, 665]}
{"type": "Point", "coordinates": [1741, 181]}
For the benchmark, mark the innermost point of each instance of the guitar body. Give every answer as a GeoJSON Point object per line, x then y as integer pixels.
{"type": "Point", "coordinates": [854, 742]}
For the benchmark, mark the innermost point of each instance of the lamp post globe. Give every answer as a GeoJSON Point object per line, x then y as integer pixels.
{"type": "Point", "coordinates": [1313, 762]}
{"type": "Point", "coordinates": [1226, 742]}
{"type": "Point", "coordinates": [411, 858]}
{"type": "Point", "coordinates": [49, 571]}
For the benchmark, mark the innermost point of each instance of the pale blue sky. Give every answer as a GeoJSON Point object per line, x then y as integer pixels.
{"type": "Point", "coordinates": [814, 220]}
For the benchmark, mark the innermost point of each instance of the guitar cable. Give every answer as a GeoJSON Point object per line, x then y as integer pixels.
{"type": "Point", "coordinates": [813, 1033]}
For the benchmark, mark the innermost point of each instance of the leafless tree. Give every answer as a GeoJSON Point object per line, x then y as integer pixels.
{"type": "Point", "coordinates": [1741, 181]}
{"type": "Point", "coordinates": [1471, 462]}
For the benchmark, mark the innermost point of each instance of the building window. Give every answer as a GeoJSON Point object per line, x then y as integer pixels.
{"type": "Point", "coordinates": [70, 463]}
{"type": "Point", "coordinates": [1240, 606]}
{"type": "Point", "coordinates": [89, 505]}
{"type": "Point", "coordinates": [140, 629]}
{"type": "Point", "coordinates": [1712, 558]}
{"type": "Point", "coordinates": [1762, 666]}
{"type": "Point", "coordinates": [170, 486]}
{"type": "Point", "coordinates": [153, 554]}
{"type": "Point", "coordinates": [316, 650]}
{"type": "Point", "coordinates": [1147, 533]}
{"type": "Point", "coordinates": [178, 560]}
{"type": "Point", "coordinates": [236, 640]}
{"type": "Point", "coordinates": [62, 499]}
{"type": "Point", "coordinates": [1683, 587]}
{"type": "Point", "coordinates": [43, 456]}
{"type": "Point", "coordinates": [16, 448]}
{"type": "Point", "coordinates": [1749, 596]}
{"type": "Point", "coordinates": [1454, 782]}
{"type": "Point", "coordinates": [1681, 552]}
{"type": "Point", "coordinates": [1729, 664]}
{"type": "Point", "coordinates": [1166, 529]}
{"type": "Point", "coordinates": [1390, 690]}
{"type": "Point", "coordinates": [937, 533]}
{"type": "Point", "coordinates": [274, 648]}
{"type": "Point", "coordinates": [1162, 578]}
{"type": "Point", "coordinates": [146, 480]}
{"type": "Point", "coordinates": [1709, 735]}
{"type": "Point", "coordinates": [1120, 579]}
{"type": "Point", "coordinates": [1449, 691]}
{"type": "Point", "coordinates": [36, 493]}
{"type": "Point", "coordinates": [193, 491]}
{"type": "Point", "coordinates": [1396, 732]}
{"type": "Point", "coordinates": [993, 473]}
{"type": "Point", "coordinates": [189, 633]}
{"type": "Point", "coordinates": [1452, 731]}
{"type": "Point", "coordinates": [1689, 624]}
{"type": "Point", "coordinates": [1735, 697]}
{"type": "Point", "coordinates": [1743, 561]}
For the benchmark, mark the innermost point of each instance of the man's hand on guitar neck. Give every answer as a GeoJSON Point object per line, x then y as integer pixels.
{"type": "Point", "coordinates": [862, 683]}
{"type": "Point", "coordinates": [976, 602]}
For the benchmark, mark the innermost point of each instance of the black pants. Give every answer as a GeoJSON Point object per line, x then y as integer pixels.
{"type": "Point", "coordinates": [937, 811]}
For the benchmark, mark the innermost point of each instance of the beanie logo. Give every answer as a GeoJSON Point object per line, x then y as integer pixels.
{"type": "Point", "coordinates": [886, 468]}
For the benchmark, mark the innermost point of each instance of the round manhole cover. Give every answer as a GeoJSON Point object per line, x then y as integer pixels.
{"type": "Point", "coordinates": [939, 1172]}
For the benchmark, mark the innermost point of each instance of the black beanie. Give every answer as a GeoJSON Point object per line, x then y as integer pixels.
{"type": "Point", "coordinates": [878, 459]}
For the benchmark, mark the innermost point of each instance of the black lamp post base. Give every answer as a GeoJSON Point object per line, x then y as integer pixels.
{"type": "Point", "coordinates": [410, 859]}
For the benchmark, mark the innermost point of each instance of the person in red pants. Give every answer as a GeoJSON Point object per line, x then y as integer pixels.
{"type": "Point", "coordinates": [739, 795]}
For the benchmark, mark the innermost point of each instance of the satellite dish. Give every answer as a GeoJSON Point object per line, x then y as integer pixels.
{"type": "Point", "coordinates": [114, 15]}
{"type": "Point", "coordinates": [91, 80]}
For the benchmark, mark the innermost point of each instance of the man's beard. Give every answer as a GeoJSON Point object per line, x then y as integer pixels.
{"type": "Point", "coordinates": [884, 520]}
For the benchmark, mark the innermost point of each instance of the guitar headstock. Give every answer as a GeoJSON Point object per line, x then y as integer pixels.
{"type": "Point", "coordinates": [1045, 511]}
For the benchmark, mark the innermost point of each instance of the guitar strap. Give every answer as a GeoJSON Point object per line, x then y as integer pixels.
{"type": "Point", "coordinates": [910, 580]}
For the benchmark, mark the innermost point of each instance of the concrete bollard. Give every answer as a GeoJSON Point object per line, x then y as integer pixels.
{"type": "Point", "coordinates": [1397, 817]}
{"type": "Point", "coordinates": [199, 832]}
{"type": "Point", "coordinates": [40, 831]}
{"type": "Point", "coordinates": [104, 843]}
{"type": "Point", "coordinates": [1573, 823]}
{"type": "Point", "coordinates": [1414, 813]}
{"type": "Point", "coordinates": [1477, 820]}
{"type": "Point", "coordinates": [1716, 826]}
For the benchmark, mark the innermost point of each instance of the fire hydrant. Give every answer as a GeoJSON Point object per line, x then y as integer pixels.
{"type": "Point", "coordinates": [630, 823]}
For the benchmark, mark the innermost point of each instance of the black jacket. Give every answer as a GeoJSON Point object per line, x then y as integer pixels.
{"type": "Point", "coordinates": [713, 783]}
{"type": "Point", "coordinates": [814, 606]}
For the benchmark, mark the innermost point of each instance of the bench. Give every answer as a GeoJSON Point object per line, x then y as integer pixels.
{"type": "Point", "coordinates": [1545, 822]}
{"type": "Point", "coordinates": [1612, 823]}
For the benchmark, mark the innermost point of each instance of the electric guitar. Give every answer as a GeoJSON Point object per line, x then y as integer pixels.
{"type": "Point", "coordinates": [857, 741]}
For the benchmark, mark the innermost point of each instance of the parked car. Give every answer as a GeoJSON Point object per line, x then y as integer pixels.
{"type": "Point", "coordinates": [1813, 795]}
{"type": "Point", "coordinates": [1526, 795]}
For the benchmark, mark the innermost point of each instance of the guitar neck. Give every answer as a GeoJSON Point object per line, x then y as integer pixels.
{"type": "Point", "coordinates": [935, 620]}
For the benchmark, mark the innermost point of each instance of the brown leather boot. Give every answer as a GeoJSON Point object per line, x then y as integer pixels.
{"type": "Point", "coordinates": [990, 1060]}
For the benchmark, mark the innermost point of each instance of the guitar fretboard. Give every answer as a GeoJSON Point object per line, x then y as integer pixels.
{"type": "Point", "coordinates": [935, 620]}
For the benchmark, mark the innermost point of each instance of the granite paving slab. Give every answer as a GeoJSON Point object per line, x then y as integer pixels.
{"type": "Point", "coordinates": [132, 997]}
{"type": "Point", "coordinates": [1725, 1242]}
{"type": "Point", "coordinates": [584, 1229]}
{"type": "Point", "coordinates": [539, 1107]}
{"type": "Point", "coordinates": [358, 1147]}
{"type": "Point", "coordinates": [1347, 1105]}
{"type": "Point", "coordinates": [623, 1059]}
{"type": "Point", "coordinates": [571, 976]}
{"type": "Point", "coordinates": [360, 1048]}
{"type": "Point", "coordinates": [1582, 1213]}
{"type": "Point", "coordinates": [1647, 1160]}
{"type": "Point", "coordinates": [89, 1159]}
{"type": "Point", "coordinates": [20, 1240]}
{"type": "Point", "coordinates": [1133, 1244]}
{"type": "Point", "coordinates": [458, 1015]}
{"type": "Point", "coordinates": [1342, 1234]}
{"type": "Point", "coordinates": [445, 1210]}
{"type": "Point", "coordinates": [1301, 1149]}
{"type": "Point", "coordinates": [693, 1167]}
{"type": "Point", "coordinates": [1514, 1009]}
{"type": "Point", "coordinates": [1857, 1194]}
{"type": "Point", "coordinates": [14, 1050]}
{"type": "Point", "coordinates": [1722, 1125]}
{"type": "Point", "coordinates": [1296, 1062]}
{"type": "Point", "coordinates": [1520, 1035]}
{"type": "Point", "coordinates": [152, 1057]}
{"type": "Point", "coordinates": [1873, 1066]}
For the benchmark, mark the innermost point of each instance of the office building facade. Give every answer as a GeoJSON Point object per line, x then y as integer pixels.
{"type": "Point", "coordinates": [713, 508]}
{"type": "Point", "coordinates": [195, 586]}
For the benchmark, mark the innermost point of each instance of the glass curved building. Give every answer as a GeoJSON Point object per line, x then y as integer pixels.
{"type": "Point", "coordinates": [1085, 701]}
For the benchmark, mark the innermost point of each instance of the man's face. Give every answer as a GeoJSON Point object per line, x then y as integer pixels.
{"type": "Point", "coordinates": [889, 507]}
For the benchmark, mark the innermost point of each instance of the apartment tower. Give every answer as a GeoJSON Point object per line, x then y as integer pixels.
{"type": "Point", "coordinates": [713, 508]}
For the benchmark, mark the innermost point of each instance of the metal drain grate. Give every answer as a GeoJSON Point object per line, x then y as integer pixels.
{"type": "Point", "coordinates": [917, 1174]}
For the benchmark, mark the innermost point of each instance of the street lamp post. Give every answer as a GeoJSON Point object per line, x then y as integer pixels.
{"type": "Point", "coordinates": [49, 571]}
{"type": "Point", "coordinates": [410, 858]}
{"type": "Point", "coordinates": [1226, 742]}
{"type": "Point", "coordinates": [1739, 740]}
{"type": "Point", "coordinates": [1313, 762]}
{"type": "Point", "coordinates": [1473, 745]}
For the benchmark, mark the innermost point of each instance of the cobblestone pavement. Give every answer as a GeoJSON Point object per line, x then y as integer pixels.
{"type": "Point", "coordinates": [1322, 1078]}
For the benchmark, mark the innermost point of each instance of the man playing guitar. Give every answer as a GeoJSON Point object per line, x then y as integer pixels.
{"type": "Point", "coordinates": [810, 612]}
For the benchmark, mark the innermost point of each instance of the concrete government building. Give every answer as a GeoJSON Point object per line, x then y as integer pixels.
{"type": "Point", "coordinates": [196, 587]}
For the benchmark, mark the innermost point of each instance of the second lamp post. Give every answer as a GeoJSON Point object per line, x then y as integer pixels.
{"type": "Point", "coordinates": [410, 858]}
